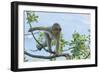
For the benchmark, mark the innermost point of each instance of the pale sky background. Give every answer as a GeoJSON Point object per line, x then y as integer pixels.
{"type": "Point", "coordinates": [69, 23]}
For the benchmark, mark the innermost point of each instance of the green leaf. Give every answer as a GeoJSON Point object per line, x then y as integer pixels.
{"type": "Point", "coordinates": [31, 17]}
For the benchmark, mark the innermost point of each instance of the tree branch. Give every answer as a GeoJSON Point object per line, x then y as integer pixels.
{"type": "Point", "coordinates": [46, 57]}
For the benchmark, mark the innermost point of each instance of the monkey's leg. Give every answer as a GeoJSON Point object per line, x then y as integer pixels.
{"type": "Point", "coordinates": [48, 41]}
{"type": "Point", "coordinates": [49, 46]}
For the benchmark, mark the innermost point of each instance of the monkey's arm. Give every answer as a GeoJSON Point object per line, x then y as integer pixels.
{"type": "Point", "coordinates": [48, 41]}
{"type": "Point", "coordinates": [38, 28]}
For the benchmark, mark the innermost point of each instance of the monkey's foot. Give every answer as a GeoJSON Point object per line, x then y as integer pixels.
{"type": "Point", "coordinates": [38, 47]}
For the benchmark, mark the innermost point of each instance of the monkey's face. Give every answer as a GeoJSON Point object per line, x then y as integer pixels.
{"type": "Point", "coordinates": [56, 29]}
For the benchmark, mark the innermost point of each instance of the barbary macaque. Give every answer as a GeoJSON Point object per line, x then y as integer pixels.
{"type": "Point", "coordinates": [51, 33]}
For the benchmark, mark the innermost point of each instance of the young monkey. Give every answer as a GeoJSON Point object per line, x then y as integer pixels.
{"type": "Point", "coordinates": [51, 33]}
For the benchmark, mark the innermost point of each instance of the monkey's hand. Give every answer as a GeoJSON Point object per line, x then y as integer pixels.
{"type": "Point", "coordinates": [30, 30]}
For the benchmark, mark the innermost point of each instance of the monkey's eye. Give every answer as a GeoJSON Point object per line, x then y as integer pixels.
{"type": "Point", "coordinates": [57, 29]}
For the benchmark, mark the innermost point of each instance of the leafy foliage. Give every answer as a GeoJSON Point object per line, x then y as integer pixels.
{"type": "Point", "coordinates": [63, 43]}
{"type": "Point", "coordinates": [31, 17]}
{"type": "Point", "coordinates": [80, 49]}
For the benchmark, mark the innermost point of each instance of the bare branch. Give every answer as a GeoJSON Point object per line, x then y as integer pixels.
{"type": "Point", "coordinates": [46, 57]}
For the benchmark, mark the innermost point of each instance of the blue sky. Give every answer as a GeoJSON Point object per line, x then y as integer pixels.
{"type": "Point", "coordinates": [69, 23]}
